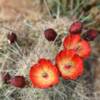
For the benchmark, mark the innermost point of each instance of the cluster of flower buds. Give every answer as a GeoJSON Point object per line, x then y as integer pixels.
{"type": "Point", "coordinates": [17, 81]}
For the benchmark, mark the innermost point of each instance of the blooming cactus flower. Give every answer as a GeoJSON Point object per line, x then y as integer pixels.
{"type": "Point", "coordinates": [69, 64]}
{"type": "Point", "coordinates": [44, 74]}
{"type": "Point", "coordinates": [81, 46]}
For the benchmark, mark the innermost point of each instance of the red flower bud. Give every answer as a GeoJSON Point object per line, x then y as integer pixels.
{"type": "Point", "coordinates": [12, 37]}
{"type": "Point", "coordinates": [76, 27]}
{"type": "Point", "coordinates": [90, 35]}
{"type": "Point", "coordinates": [50, 34]}
{"type": "Point", "coordinates": [6, 77]}
{"type": "Point", "coordinates": [18, 81]}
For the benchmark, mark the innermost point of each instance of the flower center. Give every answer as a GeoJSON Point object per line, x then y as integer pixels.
{"type": "Point", "coordinates": [45, 75]}
{"type": "Point", "coordinates": [67, 67]}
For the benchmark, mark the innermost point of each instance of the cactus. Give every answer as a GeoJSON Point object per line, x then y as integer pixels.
{"type": "Point", "coordinates": [17, 58]}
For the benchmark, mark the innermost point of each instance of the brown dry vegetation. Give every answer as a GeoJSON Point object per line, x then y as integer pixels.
{"type": "Point", "coordinates": [29, 18]}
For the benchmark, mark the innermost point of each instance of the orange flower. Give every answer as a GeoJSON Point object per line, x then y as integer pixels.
{"type": "Point", "coordinates": [69, 64]}
{"type": "Point", "coordinates": [44, 74]}
{"type": "Point", "coordinates": [81, 46]}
